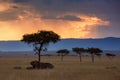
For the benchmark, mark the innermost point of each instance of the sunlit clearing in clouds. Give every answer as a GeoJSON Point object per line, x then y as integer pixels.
{"type": "Point", "coordinates": [14, 30]}
{"type": "Point", "coordinates": [84, 28]}
{"type": "Point", "coordinates": [8, 31]}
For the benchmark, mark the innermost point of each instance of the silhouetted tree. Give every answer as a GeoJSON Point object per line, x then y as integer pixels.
{"type": "Point", "coordinates": [110, 55]}
{"type": "Point", "coordinates": [40, 40]}
{"type": "Point", "coordinates": [93, 51]}
{"type": "Point", "coordinates": [62, 53]}
{"type": "Point", "coordinates": [79, 51]}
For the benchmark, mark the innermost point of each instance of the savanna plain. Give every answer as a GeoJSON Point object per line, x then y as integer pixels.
{"type": "Point", "coordinates": [70, 69]}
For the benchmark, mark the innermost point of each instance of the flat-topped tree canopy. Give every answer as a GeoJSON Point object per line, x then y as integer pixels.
{"type": "Point", "coordinates": [78, 50]}
{"type": "Point", "coordinates": [41, 39]}
{"type": "Point", "coordinates": [63, 52]}
{"type": "Point", "coordinates": [94, 50]}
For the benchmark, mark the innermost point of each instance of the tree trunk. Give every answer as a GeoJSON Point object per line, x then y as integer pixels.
{"type": "Point", "coordinates": [39, 54]}
{"type": "Point", "coordinates": [92, 57]}
{"type": "Point", "coordinates": [39, 57]}
{"type": "Point", "coordinates": [61, 58]}
{"type": "Point", "coordinates": [80, 56]}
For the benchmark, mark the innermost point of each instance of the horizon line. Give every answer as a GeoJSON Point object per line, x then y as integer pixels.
{"type": "Point", "coordinates": [72, 38]}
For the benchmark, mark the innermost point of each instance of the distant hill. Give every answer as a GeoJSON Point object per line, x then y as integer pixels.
{"type": "Point", "coordinates": [109, 43]}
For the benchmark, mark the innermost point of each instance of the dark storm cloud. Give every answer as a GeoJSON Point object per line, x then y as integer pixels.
{"type": "Point", "coordinates": [66, 17]}
{"type": "Point", "coordinates": [12, 13]}
{"type": "Point", "coordinates": [4, 0]}
{"type": "Point", "coordinates": [69, 10]}
{"type": "Point", "coordinates": [48, 17]}
{"type": "Point", "coordinates": [16, 7]}
{"type": "Point", "coordinates": [105, 9]}
{"type": "Point", "coordinates": [70, 17]}
{"type": "Point", "coordinates": [102, 8]}
{"type": "Point", "coordinates": [20, 1]}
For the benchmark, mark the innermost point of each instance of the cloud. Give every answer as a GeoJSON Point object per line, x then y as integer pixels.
{"type": "Point", "coordinates": [12, 14]}
{"type": "Point", "coordinates": [16, 7]}
{"type": "Point", "coordinates": [105, 9]}
{"type": "Point", "coordinates": [65, 17]}
{"type": "Point", "coordinates": [80, 18]}
{"type": "Point", "coordinates": [20, 1]}
{"type": "Point", "coordinates": [70, 17]}
{"type": "Point", "coordinates": [8, 15]}
{"type": "Point", "coordinates": [10, 11]}
{"type": "Point", "coordinates": [48, 17]}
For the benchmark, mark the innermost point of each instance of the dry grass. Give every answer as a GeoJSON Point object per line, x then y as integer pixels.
{"type": "Point", "coordinates": [70, 69]}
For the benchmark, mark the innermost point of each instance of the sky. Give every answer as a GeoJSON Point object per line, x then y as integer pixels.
{"type": "Point", "coordinates": [68, 18]}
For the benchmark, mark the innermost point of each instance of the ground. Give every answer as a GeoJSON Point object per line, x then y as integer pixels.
{"type": "Point", "coordinates": [70, 69]}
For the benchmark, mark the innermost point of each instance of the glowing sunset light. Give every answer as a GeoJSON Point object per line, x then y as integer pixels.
{"type": "Point", "coordinates": [4, 6]}
{"type": "Point", "coordinates": [76, 20]}
{"type": "Point", "coordinates": [67, 29]}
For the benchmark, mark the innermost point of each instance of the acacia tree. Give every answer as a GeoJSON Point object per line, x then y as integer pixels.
{"type": "Point", "coordinates": [110, 55]}
{"type": "Point", "coordinates": [62, 53]}
{"type": "Point", "coordinates": [79, 51]}
{"type": "Point", "coordinates": [40, 40]}
{"type": "Point", "coordinates": [93, 52]}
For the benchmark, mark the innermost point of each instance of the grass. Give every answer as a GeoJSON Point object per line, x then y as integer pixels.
{"type": "Point", "coordinates": [69, 69]}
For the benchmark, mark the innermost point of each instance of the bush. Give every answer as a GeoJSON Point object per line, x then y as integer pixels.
{"type": "Point", "coordinates": [37, 65]}
{"type": "Point", "coordinates": [17, 67]}
{"type": "Point", "coordinates": [29, 68]}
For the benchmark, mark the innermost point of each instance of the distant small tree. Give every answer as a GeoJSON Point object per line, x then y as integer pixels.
{"type": "Point", "coordinates": [79, 51]}
{"type": "Point", "coordinates": [93, 52]}
{"type": "Point", "coordinates": [110, 55]}
{"type": "Point", "coordinates": [62, 53]}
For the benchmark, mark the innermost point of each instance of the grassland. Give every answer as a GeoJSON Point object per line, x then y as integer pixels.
{"type": "Point", "coordinates": [70, 69]}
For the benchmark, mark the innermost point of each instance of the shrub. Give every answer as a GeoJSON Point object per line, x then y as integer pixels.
{"type": "Point", "coordinates": [29, 68]}
{"type": "Point", "coordinates": [17, 67]}
{"type": "Point", "coordinates": [37, 65]}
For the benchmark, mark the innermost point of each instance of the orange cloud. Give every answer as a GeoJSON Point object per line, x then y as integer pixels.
{"type": "Point", "coordinates": [2, 6]}
{"type": "Point", "coordinates": [13, 30]}
{"type": "Point", "coordinates": [5, 6]}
